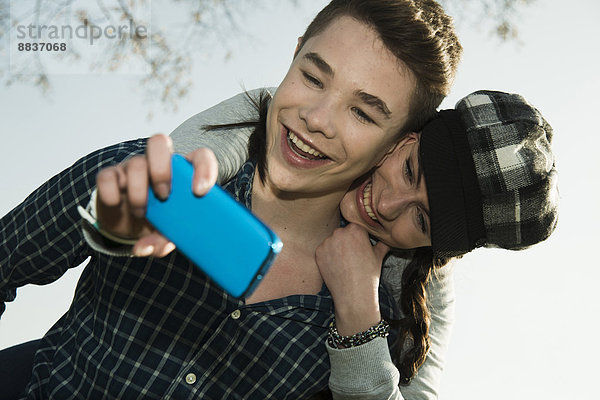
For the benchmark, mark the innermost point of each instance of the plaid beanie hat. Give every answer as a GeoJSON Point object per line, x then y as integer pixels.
{"type": "Point", "coordinates": [490, 175]}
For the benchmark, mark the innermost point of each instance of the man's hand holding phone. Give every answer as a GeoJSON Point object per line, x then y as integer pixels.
{"type": "Point", "coordinates": [219, 235]}
{"type": "Point", "coordinates": [123, 193]}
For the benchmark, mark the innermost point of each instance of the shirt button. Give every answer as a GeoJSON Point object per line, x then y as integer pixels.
{"type": "Point", "coordinates": [190, 378]}
{"type": "Point", "coordinates": [236, 314]}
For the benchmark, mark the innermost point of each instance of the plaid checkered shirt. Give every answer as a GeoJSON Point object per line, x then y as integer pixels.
{"type": "Point", "coordinates": [155, 328]}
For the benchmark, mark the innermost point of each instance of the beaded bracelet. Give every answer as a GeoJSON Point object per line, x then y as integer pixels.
{"type": "Point", "coordinates": [337, 341]}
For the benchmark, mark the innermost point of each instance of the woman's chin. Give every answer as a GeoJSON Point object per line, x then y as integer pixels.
{"type": "Point", "coordinates": [348, 207]}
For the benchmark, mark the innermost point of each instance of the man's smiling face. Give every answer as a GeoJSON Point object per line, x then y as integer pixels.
{"type": "Point", "coordinates": [337, 112]}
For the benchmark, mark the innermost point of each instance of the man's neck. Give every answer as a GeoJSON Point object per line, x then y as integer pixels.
{"type": "Point", "coordinates": [309, 218]}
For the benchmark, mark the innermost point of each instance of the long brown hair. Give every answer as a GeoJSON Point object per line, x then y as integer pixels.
{"type": "Point", "coordinates": [413, 341]}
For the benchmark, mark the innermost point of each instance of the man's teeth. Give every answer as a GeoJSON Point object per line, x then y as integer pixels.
{"type": "Point", "coordinates": [304, 147]}
{"type": "Point", "coordinates": [367, 201]}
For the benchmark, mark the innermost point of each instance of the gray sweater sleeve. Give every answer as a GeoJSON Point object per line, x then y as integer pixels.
{"type": "Point", "coordinates": [229, 145]}
{"type": "Point", "coordinates": [367, 371]}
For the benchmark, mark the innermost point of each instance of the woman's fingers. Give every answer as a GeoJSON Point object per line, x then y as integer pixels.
{"type": "Point", "coordinates": [380, 250]}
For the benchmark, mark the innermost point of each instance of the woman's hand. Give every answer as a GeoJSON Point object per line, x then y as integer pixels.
{"type": "Point", "coordinates": [351, 268]}
{"type": "Point", "coordinates": [123, 192]}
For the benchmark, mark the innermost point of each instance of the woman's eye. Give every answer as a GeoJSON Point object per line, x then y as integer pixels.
{"type": "Point", "coordinates": [408, 170]}
{"type": "Point", "coordinates": [312, 80]}
{"type": "Point", "coordinates": [361, 115]}
{"type": "Point", "coordinates": [421, 220]}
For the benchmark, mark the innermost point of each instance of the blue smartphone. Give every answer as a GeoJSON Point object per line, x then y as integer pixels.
{"type": "Point", "coordinates": [219, 235]}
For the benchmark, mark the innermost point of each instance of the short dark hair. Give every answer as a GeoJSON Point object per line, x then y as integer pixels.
{"type": "Point", "coordinates": [419, 33]}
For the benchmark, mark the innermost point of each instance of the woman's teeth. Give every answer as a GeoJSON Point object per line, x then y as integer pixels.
{"type": "Point", "coordinates": [303, 146]}
{"type": "Point", "coordinates": [367, 201]}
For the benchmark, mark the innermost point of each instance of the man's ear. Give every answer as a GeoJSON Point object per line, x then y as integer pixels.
{"type": "Point", "coordinates": [298, 46]}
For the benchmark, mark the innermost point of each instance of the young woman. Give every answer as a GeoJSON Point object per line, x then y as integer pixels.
{"type": "Point", "coordinates": [364, 73]}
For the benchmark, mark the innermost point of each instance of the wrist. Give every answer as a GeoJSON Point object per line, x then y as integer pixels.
{"type": "Point", "coordinates": [356, 306]}
{"type": "Point", "coordinates": [90, 215]}
{"type": "Point", "coordinates": [356, 319]}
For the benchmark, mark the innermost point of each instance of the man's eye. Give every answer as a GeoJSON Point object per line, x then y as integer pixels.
{"type": "Point", "coordinates": [312, 80]}
{"type": "Point", "coordinates": [361, 115]}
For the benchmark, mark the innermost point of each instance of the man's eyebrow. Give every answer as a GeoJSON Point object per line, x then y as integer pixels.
{"type": "Point", "coordinates": [374, 101]}
{"type": "Point", "coordinates": [367, 98]}
{"type": "Point", "coordinates": [321, 64]}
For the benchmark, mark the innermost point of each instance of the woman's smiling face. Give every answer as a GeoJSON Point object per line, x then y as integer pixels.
{"type": "Point", "coordinates": [337, 112]}
{"type": "Point", "coordinates": [392, 203]}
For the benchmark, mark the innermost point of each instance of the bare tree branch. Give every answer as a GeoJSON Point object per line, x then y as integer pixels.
{"type": "Point", "coordinates": [163, 58]}
{"type": "Point", "coordinates": [500, 17]}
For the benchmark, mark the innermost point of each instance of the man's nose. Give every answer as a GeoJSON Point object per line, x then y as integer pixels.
{"type": "Point", "coordinates": [318, 115]}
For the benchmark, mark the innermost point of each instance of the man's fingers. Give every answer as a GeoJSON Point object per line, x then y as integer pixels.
{"type": "Point", "coordinates": [137, 185]}
{"type": "Point", "coordinates": [121, 178]}
{"type": "Point", "coordinates": [109, 182]}
{"type": "Point", "coordinates": [206, 170]}
{"type": "Point", "coordinates": [165, 249]}
{"type": "Point", "coordinates": [154, 244]}
{"type": "Point", "coordinates": [158, 151]}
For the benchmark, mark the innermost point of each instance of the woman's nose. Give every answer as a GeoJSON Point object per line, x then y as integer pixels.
{"type": "Point", "coordinates": [393, 202]}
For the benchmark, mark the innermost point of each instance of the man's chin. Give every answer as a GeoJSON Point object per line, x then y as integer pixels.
{"type": "Point", "coordinates": [359, 181]}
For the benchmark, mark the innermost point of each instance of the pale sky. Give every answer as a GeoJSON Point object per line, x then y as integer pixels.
{"type": "Point", "coordinates": [526, 322]}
